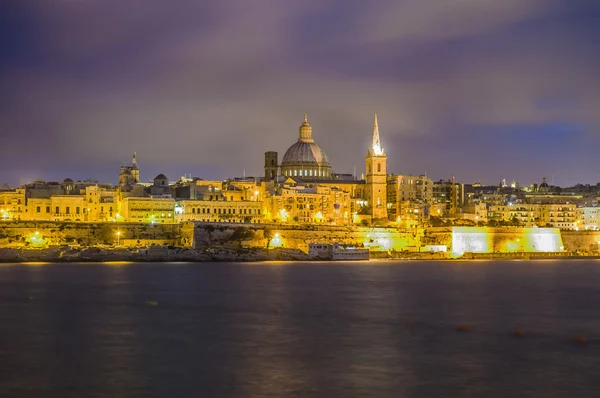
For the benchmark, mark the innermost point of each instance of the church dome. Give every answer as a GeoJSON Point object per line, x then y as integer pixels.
{"type": "Point", "coordinates": [305, 158]}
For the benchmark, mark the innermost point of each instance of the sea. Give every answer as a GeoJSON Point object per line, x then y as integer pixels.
{"type": "Point", "coordinates": [306, 329]}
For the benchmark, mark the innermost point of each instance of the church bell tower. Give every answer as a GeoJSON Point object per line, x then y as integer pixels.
{"type": "Point", "coordinates": [376, 177]}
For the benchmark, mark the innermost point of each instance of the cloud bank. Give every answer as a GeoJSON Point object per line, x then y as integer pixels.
{"type": "Point", "coordinates": [479, 89]}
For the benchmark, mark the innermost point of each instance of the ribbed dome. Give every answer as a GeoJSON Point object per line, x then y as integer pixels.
{"type": "Point", "coordinates": [305, 153]}
{"type": "Point", "coordinates": [305, 158]}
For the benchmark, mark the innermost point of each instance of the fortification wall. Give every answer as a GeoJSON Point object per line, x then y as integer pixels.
{"type": "Point", "coordinates": [18, 234]}
{"type": "Point", "coordinates": [582, 241]}
{"type": "Point", "coordinates": [297, 237]}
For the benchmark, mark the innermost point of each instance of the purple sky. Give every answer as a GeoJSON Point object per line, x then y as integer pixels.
{"type": "Point", "coordinates": [479, 89]}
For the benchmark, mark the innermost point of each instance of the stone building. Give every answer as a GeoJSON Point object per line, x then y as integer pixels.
{"type": "Point", "coordinates": [563, 216]}
{"type": "Point", "coordinates": [376, 177]}
{"type": "Point", "coordinates": [235, 211]}
{"type": "Point", "coordinates": [12, 204]}
{"type": "Point", "coordinates": [147, 209]}
{"type": "Point", "coordinates": [409, 197]}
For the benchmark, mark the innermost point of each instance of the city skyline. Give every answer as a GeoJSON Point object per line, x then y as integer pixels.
{"type": "Point", "coordinates": [479, 90]}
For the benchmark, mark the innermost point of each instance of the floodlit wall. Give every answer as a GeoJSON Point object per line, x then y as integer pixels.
{"type": "Point", "coordinates": [514, 240]}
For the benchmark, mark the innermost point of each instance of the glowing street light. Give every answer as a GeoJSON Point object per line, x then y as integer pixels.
{"type": "Point", "coordinates": [118, 238]}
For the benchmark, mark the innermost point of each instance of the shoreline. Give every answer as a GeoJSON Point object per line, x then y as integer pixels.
{"type": "Point", "coordinates": [224, 254]}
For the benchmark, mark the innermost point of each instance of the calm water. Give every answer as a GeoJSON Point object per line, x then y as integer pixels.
{"type": "Point", "coordinates": [300, 330]}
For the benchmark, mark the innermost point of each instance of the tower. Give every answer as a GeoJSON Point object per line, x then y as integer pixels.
{"type": "Point", "coordinates": [376, 177]}
{"type": "Point", "coordinates": [135, 170]}
{"type": "Point", "coordinates": [271, 166]}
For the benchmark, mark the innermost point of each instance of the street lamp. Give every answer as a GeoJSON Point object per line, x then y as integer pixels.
{"type": "Point", "coordinates": [118, 238]}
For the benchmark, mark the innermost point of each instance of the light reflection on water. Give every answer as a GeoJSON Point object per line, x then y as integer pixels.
{"type": "Point", "coordinates": [300, 329]}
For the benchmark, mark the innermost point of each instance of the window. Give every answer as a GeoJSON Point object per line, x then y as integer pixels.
{"type": "Point", "coordinates": [47, 209]}
{"type": "Point", "coordinates": [38, 209]}
{"type": "Point", "coordinates": [57, 210]}
{"type": "Point", "coordinates": [77, 210]}
{"type": "Point", "coordinates": [68, 210]}
{"type": "Point", "coordinates": [379, 167]}
{"type": "Point", "coordinates": [193, 211]}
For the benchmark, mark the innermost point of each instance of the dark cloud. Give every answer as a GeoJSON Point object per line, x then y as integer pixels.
{"type": "Point", "coordinates": [460, 86]}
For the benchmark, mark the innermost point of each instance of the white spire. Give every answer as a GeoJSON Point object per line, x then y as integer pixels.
{"type": "Point", "coordinates": [376, 146]}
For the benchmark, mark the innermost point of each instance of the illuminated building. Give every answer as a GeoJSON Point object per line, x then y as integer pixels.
{"type": "Point", "coordinates": [12, 204]}
{"type": "Point", "coordinates": [477, 212]}
{"type": "Point", "coordinates": [100, 204]}
{"type": "Point", "coordinates": [408, 198]}
{"type": "Point", "coordinates": [376, 177]}
{"type": "Point", "coordinates": [57, 208]}
{"type": "Point", "coordinates": [239, 211]}
{"type": "Point", "coordinates": [317, 205]}
{"type": "Point", "coordinates": [562, 216]}
{"type": "Point", "coordinates": [129, 175]}
{"type": "Point", "coordinates": [588, 218]}
{"type": "Point", "coordinates": [450, 193]}
{"type": "Point", "coordinates": [148, 209]}
{"type": "Point", "coordinates": [199, 189]}
{"type": "Point", "coordinates": [303, 159]}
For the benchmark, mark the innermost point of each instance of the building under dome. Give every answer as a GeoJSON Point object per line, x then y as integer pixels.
{"type": "Point", "coordinates": [305, 158]}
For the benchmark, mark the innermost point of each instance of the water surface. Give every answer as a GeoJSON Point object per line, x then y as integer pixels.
{"type": "Point", "coordinates": [368, 329]}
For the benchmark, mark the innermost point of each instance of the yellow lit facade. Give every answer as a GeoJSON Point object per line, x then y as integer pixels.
{"type": "Point", "coordinates": [237, 211]}
{"type": "Point", "coordinates": [148, 209]}
{"type": "Point", "coordinates": [588, 218]}
{"type": "Point", "coordinates": [101, 204]}
{"type": "Point", "coordinates": [12, 204]}
{"type": "Point", "coordinates": [56, 208]}
{"type": "Point", "coordinates": [321, 204]}
{"type": "Point", "coordinates": [562, 216]}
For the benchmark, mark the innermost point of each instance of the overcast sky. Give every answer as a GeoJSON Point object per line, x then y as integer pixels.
{"type": "Point", "coordinates": [478, 89]}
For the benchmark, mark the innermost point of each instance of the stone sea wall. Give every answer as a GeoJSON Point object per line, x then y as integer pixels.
{"type": "Point", "coordinates": [297, 237]}
{"type": "Point", "coordinates": [151, 254]}
{"type": "Point", "coordinates": [19, 234]}
{"type": "Point", "coordinates": [235, 236]}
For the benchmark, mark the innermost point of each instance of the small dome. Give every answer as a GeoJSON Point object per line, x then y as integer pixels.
{"type": "Point", "coordinates": [161, 177]}
{"type": "Point", "coordinates": [544, 184]}
{"type": "Point", "coordinates": [67, 181]}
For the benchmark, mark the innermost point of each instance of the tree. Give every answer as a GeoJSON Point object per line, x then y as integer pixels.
{"type": "Point", "coordinates": [240, 234]}
{"type": "Point", "coordinates": [106, 234]}
{"type": "Point", "coordinates": [268, 234]}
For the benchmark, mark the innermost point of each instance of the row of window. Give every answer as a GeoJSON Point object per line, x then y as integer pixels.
{"type": "Point", "coordinates": [38, 209]}
{"type": "Point", "coordinates": [305, 173]}
{"type": "Point", "coordinates": [225, 211]}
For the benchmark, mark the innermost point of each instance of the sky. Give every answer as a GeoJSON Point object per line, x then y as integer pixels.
{"type": "Point", "coordinates": [482, 90]}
